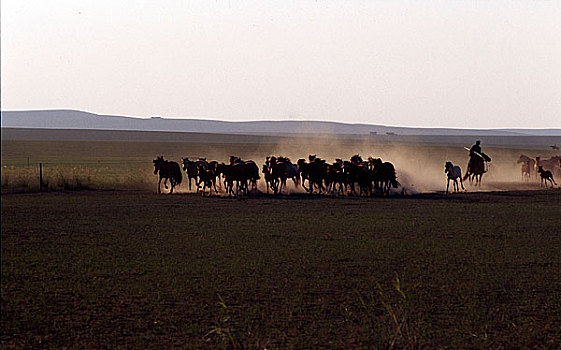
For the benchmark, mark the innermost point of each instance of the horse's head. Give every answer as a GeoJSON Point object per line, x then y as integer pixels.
{"type": "Point", "coordinates": [447, 167]}
{"type": "Point", "coordinates": [158, 163]}
{"type": "Point", "coordinates": [356, 159]}
{"type": "Point", "coordinates": [312, 157]}
{"type": "Point", "coordinates": [185, 162]}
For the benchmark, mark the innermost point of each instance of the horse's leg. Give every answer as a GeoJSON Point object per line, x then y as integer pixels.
{"type": "Point", "coordinates": [166, 183]}
{"type": "Point", "coordinates": [172, 185]}
{"type": "Point", "coordinates": [447, 185]}
{"type": "Point", "coordinates": [160, 185]}
{"type": "Point", "coordinates": [198, 183]}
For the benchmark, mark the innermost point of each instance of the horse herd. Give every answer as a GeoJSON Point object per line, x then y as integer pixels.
{"type": "Point", "coordinates": [546, 168]}
{"type": "Point", "coordinates": [315, 175]}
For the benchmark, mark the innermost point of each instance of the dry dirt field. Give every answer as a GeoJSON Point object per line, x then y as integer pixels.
{"type": "Point", "coordinates": [114, 265]}
{"type": "Point", "coordinates": [104, 269]}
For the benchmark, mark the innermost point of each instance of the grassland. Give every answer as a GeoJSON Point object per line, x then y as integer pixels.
{"type": "Point", "coordinates": [117, 266]}
{"type": "Point", "coordinates": [106, 165]}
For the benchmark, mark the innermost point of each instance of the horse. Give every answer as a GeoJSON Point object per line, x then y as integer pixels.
{"type": "Point", "coordinates": [207, 176]}
{"type": "Point", "coordinates": [291, 170]}
{"type": "Point", "coordinates": [240, 172]}
{"type": "Point", "coordinates": [167, 170]}
{"type": "Point", "coordinates": [475, 169]}
{"type": "Point", "coordinates": [454, 172]}
{"type": "Point", "coordinates": [552, 164]}
{"type": "Point", "coordinates": [384, 175]}
{"type": "Point", "coordinates": [528, 166]}
{"type": "Point", "coordinates": [335, 176]}
{"type": "Point", "coordinates": [303, 172]}
{"type": "Point", "coordinates": [545, 176]}
{"type": "Point", "coordinates": [192, 170]}
{"type": "Point", "coordinates": [267, 175]}
{"type": "Point", "coordinates": [317, 171]}
{"type": "Point", "coordinates": [352, 175]}
{"type": "Point", "coordinates": [278, 174]}
{"type": "Point", "coordinates": [213, 167]}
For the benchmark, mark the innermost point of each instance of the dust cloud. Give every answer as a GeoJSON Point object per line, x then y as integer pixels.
{"type": "Point", "coordinates": [419, 166]}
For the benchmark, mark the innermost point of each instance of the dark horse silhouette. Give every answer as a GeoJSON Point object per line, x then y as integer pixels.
{"type": "Point", "coordinates": [475, 169]}
{"type": "Point", "coordinates": [167, 170]}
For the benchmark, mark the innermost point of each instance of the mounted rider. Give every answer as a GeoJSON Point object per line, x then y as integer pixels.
{"type": "Point", "coordinates": [475, 150]}
{"type": "Point", "coordinates": [475, 154]}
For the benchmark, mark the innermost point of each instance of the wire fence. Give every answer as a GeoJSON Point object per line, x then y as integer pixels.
{"type": "Point", "coordinates": [28, 174]}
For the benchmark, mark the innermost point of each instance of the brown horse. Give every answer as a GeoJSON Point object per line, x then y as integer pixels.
{"type": "Point", "coordinates": [167, 170]}
{"type": "Point", "coordinates": [475, 169]}
{"type": "Point", "coordinates": [528, 169]}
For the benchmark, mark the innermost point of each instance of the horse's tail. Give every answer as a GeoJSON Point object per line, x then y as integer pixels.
{"type": "Point", "coordinates": [177, 174]}
{"type": "Point", "coordinates": [466, 175]}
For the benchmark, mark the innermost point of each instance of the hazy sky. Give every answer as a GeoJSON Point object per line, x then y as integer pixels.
{"type": "Point", "coordinates": [450, 63]}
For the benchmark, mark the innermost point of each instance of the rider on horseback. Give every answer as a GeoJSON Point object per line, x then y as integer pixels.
{"type": "Point", "coordinates": [475, 148]}
{"type": "Point", "coordinates": [474, 153]}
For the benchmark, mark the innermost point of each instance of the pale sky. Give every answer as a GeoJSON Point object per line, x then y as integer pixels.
{"type": "Point", "coordinates": [466, 64]}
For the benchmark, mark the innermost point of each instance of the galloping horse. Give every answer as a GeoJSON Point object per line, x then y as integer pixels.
{"type": "Point", "coordinates": [552, 164]}
{"type": "Point", "coordinates": [453, 172]}
{"type": "Point", "coordinates": [475, 169]}
{"type": "Point", "coordinates": [167, 170]}
{"type": "Point", "coordinates": [546, 175]}
{"type": "Point", "coordinates": [385, 176]}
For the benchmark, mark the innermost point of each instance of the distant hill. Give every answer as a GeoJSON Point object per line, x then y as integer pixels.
{"type": "Point", "coordinates": [72, 119]}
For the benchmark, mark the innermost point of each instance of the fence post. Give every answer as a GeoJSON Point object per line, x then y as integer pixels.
{"type": "Point", "coordinates": [40, 176]}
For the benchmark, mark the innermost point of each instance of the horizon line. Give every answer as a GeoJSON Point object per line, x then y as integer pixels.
{"type": "Point", "coordinates": [280, 120]}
